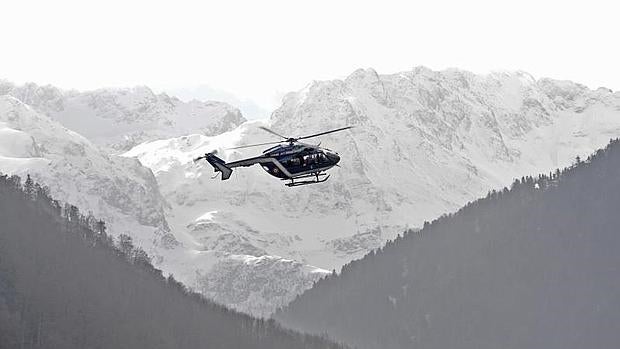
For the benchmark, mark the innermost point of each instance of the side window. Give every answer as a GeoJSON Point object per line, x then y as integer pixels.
{"type": "Point", "coordinates": [312, 159]}
{"type": "Point", "coordinates": [309, 159]}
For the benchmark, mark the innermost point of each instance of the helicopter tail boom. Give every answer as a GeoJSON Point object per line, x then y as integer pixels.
{"type": "Point", "coordinates": [219, 165]}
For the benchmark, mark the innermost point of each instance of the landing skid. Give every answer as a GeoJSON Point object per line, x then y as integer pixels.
{"type": "Point", "coordinates": [316, 179]}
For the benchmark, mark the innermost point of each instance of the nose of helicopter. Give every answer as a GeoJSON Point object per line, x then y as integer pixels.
{"type": "Point", "coordinates": [333, 157]}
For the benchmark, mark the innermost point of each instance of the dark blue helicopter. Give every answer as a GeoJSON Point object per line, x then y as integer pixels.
{"type": "Point", "coordinates": [298, 162]}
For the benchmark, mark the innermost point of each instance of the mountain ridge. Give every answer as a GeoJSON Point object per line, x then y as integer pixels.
{"type": "Point", "coordinates": [425, 143]}
{"type": "Point", "coordinates": [119, 118]}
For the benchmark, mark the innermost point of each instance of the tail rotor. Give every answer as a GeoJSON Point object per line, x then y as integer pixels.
{"type": "Point", "coordinates": [218, 164]}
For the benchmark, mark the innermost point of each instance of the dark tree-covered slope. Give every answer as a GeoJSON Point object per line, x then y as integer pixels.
{"type": "Point", "coordinates": [64, 283]}
{"type": "Point", "coordinates": [534, 266]}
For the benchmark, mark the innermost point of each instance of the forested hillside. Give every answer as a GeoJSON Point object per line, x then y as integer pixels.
{"type": "Point", "coordinates": [533, 266]}
{"type": "Point", "coordinates": [64, 283]}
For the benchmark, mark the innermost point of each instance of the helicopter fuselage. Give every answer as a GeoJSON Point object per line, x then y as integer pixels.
{"type": "Point", "coordinates": [294, 160]}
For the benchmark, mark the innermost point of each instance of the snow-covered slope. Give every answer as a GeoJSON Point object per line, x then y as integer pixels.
{"type": "Point", "coordinates": [126, 195]}
{"type": "Point", "coordinates": [117, 189]}
{"type": "Point", "coordinates": [121, 118]}
{"type": "Point", "coordinates": [424, 143]}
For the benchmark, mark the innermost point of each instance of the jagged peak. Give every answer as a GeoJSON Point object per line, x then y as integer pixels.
{"type": "Point", "coordinates": [604, 89]}
{"type": "Point", "coordinates": [367, 73]}
{"type": "Point", "coordinates": [12, 100]}
{"type": "Point", "coordinates": [126, 116]}
{"type": "Point", "coordinates": [503, 73]}
{"type": "Point", "coordinates": [421, 69]}
{"type": "Point", "coordinates": [135, 91]}
{"type": "Point", "coordinates": [18, 106]}
{"type": "Point", "coordinates": [30, 86]}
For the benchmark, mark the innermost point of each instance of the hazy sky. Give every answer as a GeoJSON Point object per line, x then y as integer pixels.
{"type": "Point", "coordinates": [258, 50]}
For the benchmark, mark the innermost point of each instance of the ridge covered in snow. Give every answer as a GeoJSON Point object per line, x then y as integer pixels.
{"type": "Point", "coordinates": [424, 144]}
{"type": "Point", "coordinates": [126, 195]}
{"type": "Point", "coordinates": [121, 118]}
{"type": "Point", "coordinates": [118, 189]}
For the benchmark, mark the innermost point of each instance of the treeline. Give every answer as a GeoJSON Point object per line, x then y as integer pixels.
{"type": "Point", "coordinates": [535, 265]}
{"type": "Point", "coordinates": [66, 283]}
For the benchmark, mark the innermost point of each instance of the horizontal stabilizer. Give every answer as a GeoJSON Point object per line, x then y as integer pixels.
{"type": "Point", "coordinates": [226, 171]}
{"type": "Point", "coordinates": [218, 164]}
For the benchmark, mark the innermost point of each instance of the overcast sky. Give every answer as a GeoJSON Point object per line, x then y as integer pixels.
{"type": "Point", "coordinates": [258, 50]}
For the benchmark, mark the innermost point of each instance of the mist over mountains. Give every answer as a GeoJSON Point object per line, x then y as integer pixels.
{"type": "Point", "coordinates": [533, 266]}
{"type": "Point", "coordinates": [250, 108]}
{"type": "Point", "coordinates": [424, 143]}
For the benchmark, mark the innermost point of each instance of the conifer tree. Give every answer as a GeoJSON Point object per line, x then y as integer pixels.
{"type": "Point", "coordinates": [29, 187]}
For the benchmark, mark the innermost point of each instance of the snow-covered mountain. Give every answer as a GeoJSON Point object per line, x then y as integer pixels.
{"type": "Point", "coordinates": [118, 189]}
{"type": "Point", "coordinates": [126, 195]}
{"type": "Point", "coordinates": [424, 143]}
{"type": "Point", "coordinates": [118, 119]}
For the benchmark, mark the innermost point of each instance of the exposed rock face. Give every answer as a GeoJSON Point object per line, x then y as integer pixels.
{"type": "Point", "coordinates": [272, 279]}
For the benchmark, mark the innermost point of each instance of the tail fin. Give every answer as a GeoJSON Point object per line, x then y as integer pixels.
{"type": "Point", "coordinates": [219, 165]}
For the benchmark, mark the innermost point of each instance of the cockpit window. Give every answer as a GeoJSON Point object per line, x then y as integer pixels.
{"type": "Point", "coordinates": [312, 159]}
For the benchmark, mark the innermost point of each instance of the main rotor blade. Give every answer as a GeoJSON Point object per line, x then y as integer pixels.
{"type": "Point", "coordinates": [254, 145]}
{"type": "Point", "coordinates": [326, 132]}
{"type": "Point", "coordinates": [272, 132]}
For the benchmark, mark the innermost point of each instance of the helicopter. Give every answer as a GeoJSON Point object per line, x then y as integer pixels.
{"type": "Point", "coordinates": [290, 160]}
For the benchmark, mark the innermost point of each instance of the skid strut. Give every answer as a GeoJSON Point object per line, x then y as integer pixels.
{"type": "Point", "coordinates": [316, 178]}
